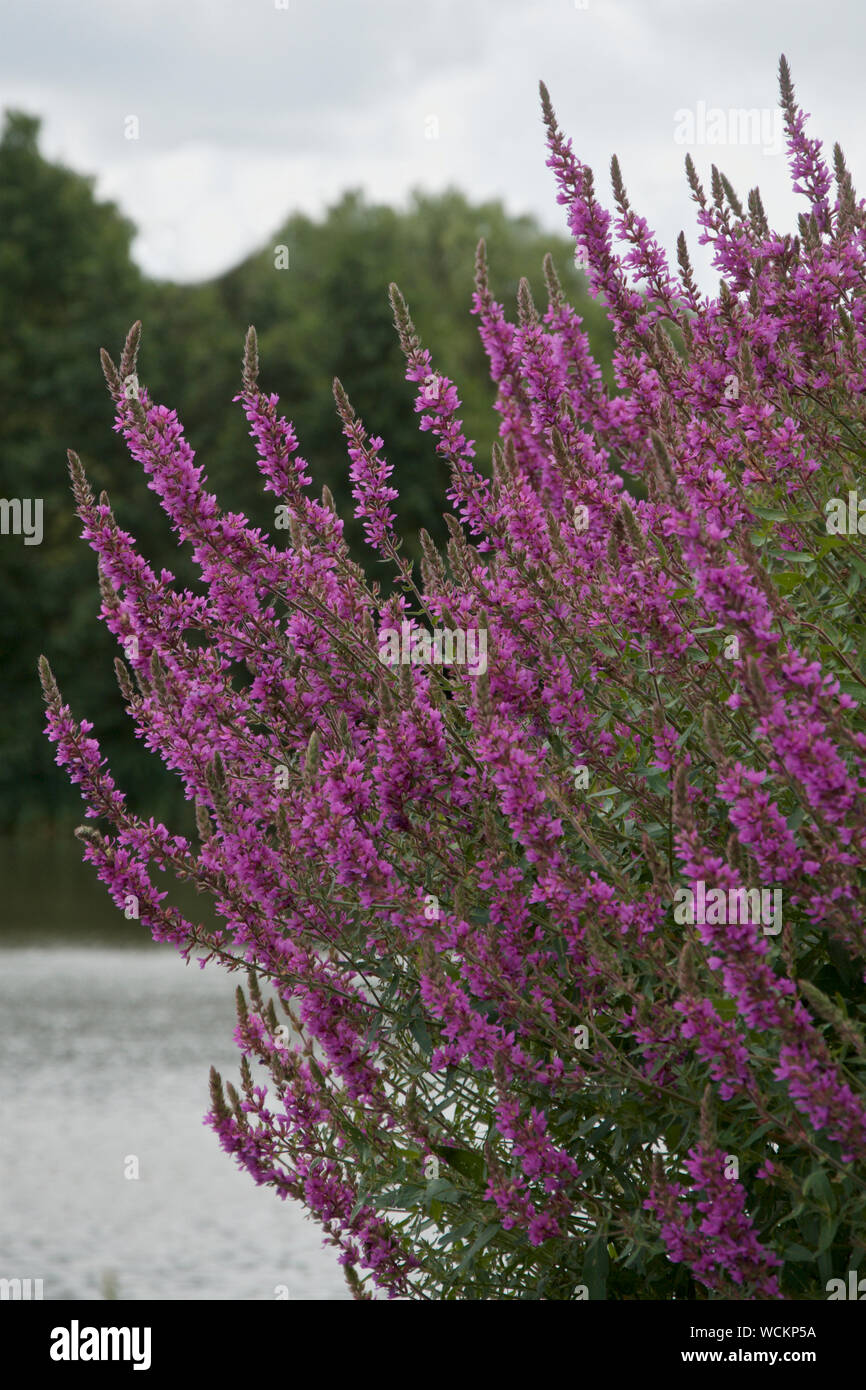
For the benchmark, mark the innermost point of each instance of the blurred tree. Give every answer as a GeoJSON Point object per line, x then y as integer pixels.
{"type": "Point", "coordinates": [327, 314]}
{"type": "Point", "coordinates": [318, 295]}
{"type": "Point", "coordinates": [67, 285]}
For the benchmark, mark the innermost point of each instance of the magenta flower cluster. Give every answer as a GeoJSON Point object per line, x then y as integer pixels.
{"type": "Point", "coordinates": [457, 887]}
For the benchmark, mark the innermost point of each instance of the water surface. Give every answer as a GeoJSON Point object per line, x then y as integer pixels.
{"type": "Point", "coordinates": [106, 1042]}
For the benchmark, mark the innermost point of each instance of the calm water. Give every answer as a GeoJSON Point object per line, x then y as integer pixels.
{"type": "Point", "coordinates": [105, 1046]}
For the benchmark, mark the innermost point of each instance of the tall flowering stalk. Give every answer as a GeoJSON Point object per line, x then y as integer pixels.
{"type": "Point", "coordinates": [510, 1067]}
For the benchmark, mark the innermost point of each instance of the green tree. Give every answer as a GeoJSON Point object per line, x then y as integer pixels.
{"type": "Point", "coordinates": [68, 286]}
{"type": "Point", "coordinates": [327, 314]}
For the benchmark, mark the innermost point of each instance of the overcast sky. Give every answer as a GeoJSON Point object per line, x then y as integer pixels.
{"type": "Point", "coordinates": [248, 110]}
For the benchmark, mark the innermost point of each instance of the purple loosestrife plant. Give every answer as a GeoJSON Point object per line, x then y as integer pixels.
{"type": "Point", "coordinates": [482, 1043]}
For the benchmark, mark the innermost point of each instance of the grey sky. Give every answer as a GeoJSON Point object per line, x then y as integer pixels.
{"type": "Point", "coordinates": [248, 112]}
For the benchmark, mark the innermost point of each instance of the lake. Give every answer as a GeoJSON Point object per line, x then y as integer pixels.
{"type": "Point", "coordinates": [106, 1041]}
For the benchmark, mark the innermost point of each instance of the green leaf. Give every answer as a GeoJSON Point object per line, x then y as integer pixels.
{"type": "Point", "coordinates": [758, 1133]}
{"type": "Point", "coordinates": [404, 1198]}
{"type": "Point", "coordinates": [828, 543]}
{"type": "Point", "coordinates": [440, 1190]}
{"type": "Point", "coordinates": [798, 1253]}
{"type": "Point", "coordinates": [828, 1231]}
{"type": "Point", "coordinates": [419, 1032]}
{"type": "Point", "coordinates": [770, 513]}
{"type": "Point", "coordinates": [788, 580]}
{"type": "Point", "coordinates": [465, 1161]}
{"type": "Point", "coordinates": [596, 1264]}
{"type": "Point", "coordinates": [483, 1239]}
{"type": "Point", "coordinates": [819, 1184]}
{"type": "Point", "coordinates": [457, 1233]}
{"type": "Point", "coordinates": [724, 1007]}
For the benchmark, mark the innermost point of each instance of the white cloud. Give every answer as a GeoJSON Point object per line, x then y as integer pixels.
{"type": "Point", "coordinates": [249, 112]}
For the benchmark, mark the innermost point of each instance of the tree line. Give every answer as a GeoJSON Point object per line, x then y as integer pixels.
{"type": "Point", "coordinates": [317, 294]}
